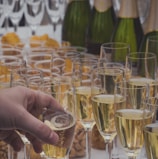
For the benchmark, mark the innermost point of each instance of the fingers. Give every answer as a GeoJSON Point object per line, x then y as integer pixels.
{"type": "Point", "coordinates": [39, 130]}
{"type": "Point", "coordinates": [37, 146]}
{"type": "Point", "coordinates": [48, 101]}
{"type": "Point", "coordinates": [12, 138]}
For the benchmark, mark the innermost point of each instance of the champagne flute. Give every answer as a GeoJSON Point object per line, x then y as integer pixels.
{"type": "Point", "coordinates": [16, 13]}
{"type": "Point", "coordinates": [2, 17]}
{"type": "Point", "coordinates": [103, 103]}
{"type": "Point", "coordinates": [143, 67]}
{"type": "Point", "coordinates": [124, 68]}
{"type": "Point", "coordinates": [131, 115]}
{"type": "Point", "coordinates": [55, 10]}
{"type": "Point", "coordinates": [8, 6]}
{"type": "Point", "coordinates": [7, 65]}
{"type": "Point", "coordinates": [152, 45]}
{"type": "Point", "coordinates": [150, 131]}
{"type": "Point", "coordinates": [114, 51]}
{"type": "Point", "coordinates": [59, 89]}
{"type": "Point", "coordinates": [151, 140]}
{"type": "Point", "coordinates": [81, 78]}
{"type": "Point", "coordinates": [34, 11]}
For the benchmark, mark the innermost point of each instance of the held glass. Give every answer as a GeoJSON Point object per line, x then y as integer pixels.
{"type": "Point", "coordinates": [131, 115]}
{"type": "Point", "coordinates": [63, 123]}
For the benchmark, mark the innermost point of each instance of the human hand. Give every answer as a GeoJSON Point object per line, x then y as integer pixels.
{"type": "Point", "coordinates": [20, 108]}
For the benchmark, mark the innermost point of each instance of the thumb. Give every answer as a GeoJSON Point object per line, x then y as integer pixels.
{"type": "Point", "coordinates": [39, 130]}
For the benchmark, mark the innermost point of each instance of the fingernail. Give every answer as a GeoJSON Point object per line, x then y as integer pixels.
{"type": "Point", "coordinates": [54, 138]}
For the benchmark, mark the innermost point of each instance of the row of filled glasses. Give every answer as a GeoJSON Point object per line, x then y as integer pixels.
{"type": "Point", "coordinates": [92, 88]}
{"type": "Point", "coordinates": [140, 70]}
{"type": "Point", "coordinates": [41, 69]}
{"type": "Point", "coordinates": [33, 11]}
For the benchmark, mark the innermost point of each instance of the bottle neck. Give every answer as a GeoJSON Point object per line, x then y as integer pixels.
{"type": "Point", "coordinates": [102, 5]}
{"type": "Point", "coordinates": [128, 9]}
{"type": "Point", "coordinates": [69, 1]}
{"type": "Point", "coordinates": [151, 23]}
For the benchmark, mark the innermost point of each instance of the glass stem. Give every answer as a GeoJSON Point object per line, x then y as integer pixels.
{"type": "Point", "coordinates": [6, 23]}
{"type": "Point", "coordinates": [108, 150]}
{"type": "Point", "coordinates": [10, 152]}
{"type": "Point", "coordinates": [15, 28]}
{"type": "Point", "coordinates": [54, 27]}
{"type": "Point", "coordinates": [33, 29]}
{"type": "Point", "coordinates": [88, 144]}
{"type": "Point", "coordinates": [115, 154]}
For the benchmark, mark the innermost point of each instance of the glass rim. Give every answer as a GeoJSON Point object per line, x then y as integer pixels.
{"type": "Point", "coordinates": [123, 85]}
{"type": "Point", "coordinates": [153, 125]}
{"type": "Point", "coordinates": [115, 64]}
{"type": "Point", "coordinates": [120, 45]}
{"type": "Point", "coordinates": [151, 55]}
{"type": "Point", "coordinates": [108, 68]}
{"type": "Point", "coordinates": [152, 98]}
{"type": "Point", "coordinates": [153, 38]}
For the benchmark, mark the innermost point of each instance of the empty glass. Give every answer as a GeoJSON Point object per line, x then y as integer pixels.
{"type": "Point", "coordinates": [114, 51]}
{"type": "Point", "coordinates": [152, 45]}
{"type": "Point", "coordinates": [34, 11]}
{"type": "Point", "coordinates": [143, 66]}
{"type": "Point", "coordinates": [55, 10]}
{"type": "Point", "coordinates": [17, 13]}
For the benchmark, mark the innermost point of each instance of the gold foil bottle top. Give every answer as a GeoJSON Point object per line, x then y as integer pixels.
{"type": "Point", "coordinates": [151, 22]}
{"type": "Point", "coordinates": [102, 5]}
{"type": "Point", "coordinates": [128, 9]}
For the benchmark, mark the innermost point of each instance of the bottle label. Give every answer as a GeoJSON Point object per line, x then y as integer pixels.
{"type": "Point", "coordinates": [102, 5]}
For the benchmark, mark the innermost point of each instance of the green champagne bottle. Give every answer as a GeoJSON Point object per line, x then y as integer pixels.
{"type": "Point", "coordinates": [101, 25]}
{"type": "Point", "coordinates": [76, 20]}
{"type": "Point", "coordinates": [128, 28]}
{"type": "Point", "coordinates": [150, 24]}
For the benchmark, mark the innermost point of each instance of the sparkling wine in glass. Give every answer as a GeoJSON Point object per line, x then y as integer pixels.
{"type": "Point", "coordinates": [131, 115]}
{"type": "Point", "coordinates": [151, 140]}
{"type": "Point", "coordinates": [82, 70]}
{"type": "Point", "coordinates": [103, 103]}
{"type": "Point", "coordinates": [63, 123]}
